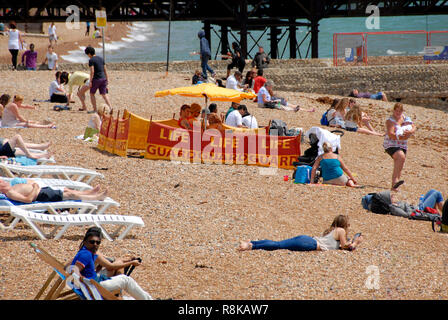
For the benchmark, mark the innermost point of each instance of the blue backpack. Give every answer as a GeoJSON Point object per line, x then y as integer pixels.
{"type": "Point", "coordinates": [324, 120]}
{"type": "Point", "coordinates": [303, 174]}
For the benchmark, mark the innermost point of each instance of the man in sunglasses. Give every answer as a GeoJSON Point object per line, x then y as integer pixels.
{"type": "Point", "coordinates": [88, 258]}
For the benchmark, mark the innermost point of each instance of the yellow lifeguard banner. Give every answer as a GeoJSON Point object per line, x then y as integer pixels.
{"type": "Point", "coordinates": [139, 128]}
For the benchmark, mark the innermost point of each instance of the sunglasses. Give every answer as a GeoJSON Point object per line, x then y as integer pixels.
{"type": "Point", "coordinates": [97, 242]}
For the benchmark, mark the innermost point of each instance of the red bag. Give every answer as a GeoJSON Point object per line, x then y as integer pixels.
{"type": "Point", "coordinates": [431, 210]}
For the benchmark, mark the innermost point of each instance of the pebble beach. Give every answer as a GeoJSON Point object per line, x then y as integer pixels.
{"type": "Point", "coordinates": [196, 214]}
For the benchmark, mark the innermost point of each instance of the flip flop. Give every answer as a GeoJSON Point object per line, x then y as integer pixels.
{"type": "Point", "coordinates": [80, 109]}
{"type": "Point", "coordinates": [399, 183]}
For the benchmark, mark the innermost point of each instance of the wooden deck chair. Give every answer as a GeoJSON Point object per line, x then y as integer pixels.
{"type": "Point", "coordinates": [86, 290]}
{"type": "Point", "coordinates": [58, 172]}
{"type": "Point", "coordinates": [65, 221]}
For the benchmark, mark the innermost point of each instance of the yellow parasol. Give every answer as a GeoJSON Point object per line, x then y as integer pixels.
{"type": "Point", "coordinates": [209, 91]}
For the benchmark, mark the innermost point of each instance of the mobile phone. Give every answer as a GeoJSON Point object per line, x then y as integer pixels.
{"type": "Point", "coordinates": [356, 236]}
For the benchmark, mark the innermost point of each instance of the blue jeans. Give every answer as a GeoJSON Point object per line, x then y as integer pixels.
{"type": "Point", "coordinates": [430, 199]}
{"type": "Point", "coordinates": [205, 66]}
{"type": "Point", "coordinates": [377, 96]}
{"type": "Point", "coordinates": [299, 243]}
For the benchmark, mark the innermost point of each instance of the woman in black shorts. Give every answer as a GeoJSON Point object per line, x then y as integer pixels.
{"type": "Point", "coordinates": [396, 145]}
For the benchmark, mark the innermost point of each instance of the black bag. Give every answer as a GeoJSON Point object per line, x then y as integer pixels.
{"type": "Point", "coordinates": [442, 222]}
{"type": "Point", "coordinates": [378, 204]}
{"type": "Point", "coordinates": [278, 128]}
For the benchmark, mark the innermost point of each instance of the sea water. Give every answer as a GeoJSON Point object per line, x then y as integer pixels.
{"type": "Point", "coordinates": [148, 41]}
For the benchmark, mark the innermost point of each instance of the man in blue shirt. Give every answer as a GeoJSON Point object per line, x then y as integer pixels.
{"type": "Point", "coordinates": [88, 255]}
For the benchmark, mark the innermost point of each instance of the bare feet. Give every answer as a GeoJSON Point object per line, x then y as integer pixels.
{"type": "Point", "coordinates": [102, 195]}
{"type": "Point", "coordinates": [245, 246]}
{"type": "Point", "coordinates": [94, 190]}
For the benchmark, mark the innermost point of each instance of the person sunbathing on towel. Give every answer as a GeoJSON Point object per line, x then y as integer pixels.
{"type": "Point", "coordinates": [8, 148]}
{"type": "Point", "coordinates": [27, 191]}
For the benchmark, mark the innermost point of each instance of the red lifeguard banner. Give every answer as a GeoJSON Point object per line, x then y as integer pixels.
{"type": "Point", "coordinates": [223, 147]}
{"type": "Point", "coordinates": [111, 135]}
{"type": "Point", "coordinates": [121, 137]}
{"type": "Point", "coordinates": [105, 123]}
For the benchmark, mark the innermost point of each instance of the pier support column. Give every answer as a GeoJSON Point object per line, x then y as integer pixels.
{"type": "Point", "coordinates": [224, 39]}
{"type": "Point", "coordinates": [243, 33]}
{"type": "Point", "coordinates": [274, 42]}
{"type": "Point", "coordinates": [315, 38]}
{"type": "Point", "coordinates": [292, 39]}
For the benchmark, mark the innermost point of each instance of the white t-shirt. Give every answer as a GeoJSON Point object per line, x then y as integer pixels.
{"type": "Point", "coordinates": [250, 122]}
{"type": "Point", "coordinates": [52, 58]}
{"type": "Point", "coordinates": [234, 119]}
{"type": "Point", "coordinates": [52, 31]}
{"type": "Point", "coordinates": [232, 83]}
{"type": "Point", "coordinates": [261, 92]}
{"type": "Point", "coordinates": [54, 88]}
{"type": "Point", "coordinates": [14, 42]}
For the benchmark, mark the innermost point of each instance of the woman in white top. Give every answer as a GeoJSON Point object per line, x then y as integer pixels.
{"type": "Point", "coordinates": [333, 238]}
{"type": "Point", "coordinates": [15, 44]}
{"type": "Point", "coordinates": [12, 118]}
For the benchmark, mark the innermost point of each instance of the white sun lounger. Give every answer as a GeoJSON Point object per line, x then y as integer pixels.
{"type": "Point", "coordinates": [84, 206]}
{"type": "Point", "coordinates": [58, 183]}
{"type": "Point", "coordinates": [68, 220]}
{"type": "Point", "coordinates": [61, 172]}
{"type": "Point", "coordinates": [100, 205]}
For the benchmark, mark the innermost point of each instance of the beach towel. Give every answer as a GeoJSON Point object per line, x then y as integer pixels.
{"type": "Point", "coordinates": [324, 135]}
{"type": "Point", "coordinates": [24, 161]}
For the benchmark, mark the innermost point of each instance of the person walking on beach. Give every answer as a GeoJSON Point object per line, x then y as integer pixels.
{"type": "Point", "coordinates": [30, 58]}
{"type": "Point", "coordinates": [98, 77]}
{"type": "Point", "coordinates": [87, 28]}
{"type": "Point", "coordinates": [205, 54]}
{"type": "Point", "coordinates": [333, 238]}
{"type": "Point", "coordinates": [15, 43]}
{"type": "Point", "coordinates": [52, 37]}
{"type": "Point", "coordinates": [51, 59]}
{"type": "Point", "coordinates": [396, 145]}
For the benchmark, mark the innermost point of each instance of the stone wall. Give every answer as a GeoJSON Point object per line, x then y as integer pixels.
{"type": "Point", "coordinates": [409, 83]}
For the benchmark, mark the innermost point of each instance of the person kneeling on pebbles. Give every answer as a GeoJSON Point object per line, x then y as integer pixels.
{"type": "Point", "coordinates": [27, 191]}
